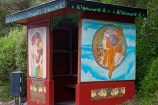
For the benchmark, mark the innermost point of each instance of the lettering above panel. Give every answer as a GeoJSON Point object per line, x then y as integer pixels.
{"type": "Point", "coordinates": [108, 8]}
{"type": "Point", "coordinates": [56, 20]}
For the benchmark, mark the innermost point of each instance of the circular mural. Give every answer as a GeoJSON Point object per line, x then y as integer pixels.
{"type": "Point", "coordinates": [109, 47]}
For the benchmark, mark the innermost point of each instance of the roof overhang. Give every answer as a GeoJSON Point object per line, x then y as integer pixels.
{"type": "Point", "coordinates": [74, 4]}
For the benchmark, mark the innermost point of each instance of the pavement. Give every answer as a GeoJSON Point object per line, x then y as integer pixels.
{"type": "Point", "coordinates": [61, 103]}
{"type": "Point", "coordinates": [65, 103]}
{"type": "Point", "coordinates": [11, 103]}
{"type": "Point", "coordinates": [25, 103]}
{"type": "Point", "coordinates": [7, 103]}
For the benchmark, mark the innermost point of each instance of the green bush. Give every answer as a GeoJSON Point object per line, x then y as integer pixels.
{"type": "Point", "coordinates": [147, 43]}
{"type": "Point", "coordinates": [5, 91]}
{"type": "Point", "coordinates": [150, 86]}
{"type": "Point", "coordinates": [134, 101]}
{"type": "Point", "coordinates": [21, 56]}
{"type": "Point", "coordinates": [12, 58]}
{"type": "Point", "coordinates": [21, 51]}
{"type": "Point", "coordinates": [8, 54]}
{"type": "Point", "coordinates": [13, 52]}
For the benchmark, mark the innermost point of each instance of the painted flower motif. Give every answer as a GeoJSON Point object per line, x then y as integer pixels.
{"type": "Point", "coordinates": [93, 93]}
{"type": "Point", "coordinates": [31, 87]}
{"type": "Point", "coordinates": [34, 89]}
{"type": "Point", "coordinates": [40, 89]}
{"type": "Point", "coordinates": [102, 93]}
{"type": "Point", "coordinates": [123, 90]}
{"type": "Point", "coordinates": [38, 92]}
{"type": "Point", "coordinates": [44, 90]}
{"type": "Point", "coordinates": [115, 92]}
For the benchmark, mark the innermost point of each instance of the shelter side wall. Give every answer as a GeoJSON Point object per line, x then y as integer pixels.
{"type": "Point", "coordinates": [91, 88]}
{"type": "Point", "coordinates": [40, 86]}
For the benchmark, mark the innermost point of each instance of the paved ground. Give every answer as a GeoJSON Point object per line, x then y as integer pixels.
{"type": "Point", "coordinates": [7, 103]}
{"type": "Point", "coordinates": [10, 103]}
{"type": "Point", "coordinates": [62, 103]}
{"type": "Point", "coordinates": [25, 103]}
{"type": "Point", "coordinates": [65, 103]}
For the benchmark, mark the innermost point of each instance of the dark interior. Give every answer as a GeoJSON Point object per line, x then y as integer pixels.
{"type": "Point", "coordinates": [65, 51]}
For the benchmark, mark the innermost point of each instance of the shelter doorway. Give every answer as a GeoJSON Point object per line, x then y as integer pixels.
{"type": "Point", "coordinates": [65, 61]}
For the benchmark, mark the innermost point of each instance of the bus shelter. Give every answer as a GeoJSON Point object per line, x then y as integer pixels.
{"type": "Point", "coordinates": [79, 52]}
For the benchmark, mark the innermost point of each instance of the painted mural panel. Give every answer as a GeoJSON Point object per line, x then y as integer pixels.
{"type": "Point", "coordinates": [37, 52]}
{"type": "Point", "coordinates": [104, 93]}
{"type": "Point", "coordinates": [108, 51]}
{"type": "Point", "coordinates": [38, 92]}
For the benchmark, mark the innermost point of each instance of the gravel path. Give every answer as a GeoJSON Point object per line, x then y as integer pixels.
{"type": "Point", "coordinates": [10, 103]}
{"type": "Point", "coordinates": [7, 103]}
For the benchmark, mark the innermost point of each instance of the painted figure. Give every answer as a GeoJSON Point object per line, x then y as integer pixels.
{"type": "Point", "coordinates": [112, 49]}
{"type": "Point", "coordinates": [37, 55]}
{"type": "Point", "coordinates": [119, 48]}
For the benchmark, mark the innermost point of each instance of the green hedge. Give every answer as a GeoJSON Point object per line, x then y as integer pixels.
{"type": "Point", "coordinates": [11, 47]}
{"type": "Point", "coordinates": [12, 58]}
{"type": "Point", "coordinates": [150, 86]}
{"type": "Point", "coordinates": [5, 91]}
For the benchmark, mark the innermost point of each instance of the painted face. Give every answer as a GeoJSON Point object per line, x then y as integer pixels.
{"type": "Point", "coordinates": [106, 34]}
{"type": "Point", "coordinates": [113, 40]}
{"type": "Point", "coordinates": [110, 32]}
{"type": "Point", "coordinates": [104, 40]}
{"type": "Point", "coordinates": [37, 41]}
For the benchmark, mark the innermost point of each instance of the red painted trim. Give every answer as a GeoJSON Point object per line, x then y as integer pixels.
{"type": "Point", "coordinates": [107, 17]}
{"type": "Point", "coordinates": [79, 47]}
{"type": "Point", "coordinates": [46, 16]}
{"type": "Point", "coordinates": [40, 23]}
{"type": "Point", "coordinates": [27, 58]}
{"type": "Point", "coordinates": [50, 63]}
{"type": "Point", "coordinates": [50, 52]}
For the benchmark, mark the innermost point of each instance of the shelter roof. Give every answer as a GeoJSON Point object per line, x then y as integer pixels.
{"type": "Point", "coordinates": [75, 4]}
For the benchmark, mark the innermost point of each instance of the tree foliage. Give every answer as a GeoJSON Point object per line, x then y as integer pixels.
{"type": "Point", "coordinates": [12, 43]}
{"type": "Point", "coordinates": [11, 48]}
{"type": "Point", "coordinates": [21, 51]}
{"type": "Point", "coordinates": [147, 48]}
{"type": "Point", "coordinates": [150, 86]}
{"type": "Point", "coordinates": [10, 6]}
{"type": "Point", "coordinates": [7, 55]}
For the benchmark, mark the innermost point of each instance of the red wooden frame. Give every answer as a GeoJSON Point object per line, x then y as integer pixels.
{"type": "Point", "coordinates": [79, 47]}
